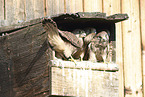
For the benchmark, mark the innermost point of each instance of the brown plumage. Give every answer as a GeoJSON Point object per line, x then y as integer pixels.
{"type": "Point", "coordinates": [81, 34]}
{"type": "Point", "coordinates": [63, 42]}
{"type": "Point", "coordinates": [98, 48]}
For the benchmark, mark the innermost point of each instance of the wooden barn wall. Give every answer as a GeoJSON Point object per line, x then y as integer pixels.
{"type": "Point", "coordinates": [130, 33]}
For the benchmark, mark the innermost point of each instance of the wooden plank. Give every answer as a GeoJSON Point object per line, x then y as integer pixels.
{"type": "Point", "coordinates": [54, 7]}
{"type": "Point", "coordinates": [6, 72]}
{"type": "Point", "coordinates": [16, 27]}
{"type": "Point", "coordinates": [142, 8]}
{"type": "Point", "coordinates": [9, 11]}
{"type": "Point", "coordinates": [92, 5]}
{"type": "Point", "coordinates": [143, 63]}
{"type": "Point", "coordinates": [2, 10]}
{"type": "Point", "coordinates": [73, 6]}
{"type": "Point", "coordinates": [19, 11]}
{"type": "Point", "coordinates": [132, 49]}
{"type": "Point", "coordinates": [38, 8]}
{"type": "Point", "coordinates": [86, 65]}
{"type": "Point", "coordinates": [30, 69]}
{"type": "Point", "coordinates": [29, 9]}
{"type": "Point", "coordinates": [119, 58]}
{"type": "Point", "coordinates": [84, 83]}
{"type": "Point", "coordinates": [113, 7]}
{"type": "Point", "coordinates": [15, 11]}
{"type": "Point", "coordinates": [142, 21]}
{"type": "Point", "coordinates": [34, 9]}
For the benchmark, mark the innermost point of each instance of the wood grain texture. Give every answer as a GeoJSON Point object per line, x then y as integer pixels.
{"type": "Point", "coordinates": [73, 6]}
{"type": "Point", "coordinates": [142, 21]}
{"type": "Point", "coordinates": [113, 7]}
{"type": "Point", "coordinates": [54, 7]}
{"type": "Point", "coordinates": [29, 10]}
{"type": "Point", "coordinates": [28, 56]}
{"type": "Point", "coordinates": [132, 49]}
{"type": "Point", "coordinates": [38, 8]}
{"type": "Point", "coordinates": [143, 63]}
{"type": "Point", "coordinates": [142, 8]}
{"type": "Point", "coordinates": [92, 5]}
{"type": "Point", "coordinates": [9, 11]}
{"type": "Point", "coordinates": [84, 83]}
{"type": "Point", "coordinates": [2, 10]}
{"type": "Point", "coordinates": [19, 11]}
{"type": "Point", "coordinates": [6, 71]}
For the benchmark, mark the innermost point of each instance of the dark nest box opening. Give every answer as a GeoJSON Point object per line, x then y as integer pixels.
{"type": "Point", "coordinates": [81, 20]}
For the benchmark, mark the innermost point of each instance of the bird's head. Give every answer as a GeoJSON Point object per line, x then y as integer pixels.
{"type": "Point", "coordinates": [79, 33]}
{"type": "Point", "coordinates": [103, 36]}
{"type": "Point", "coordinates": [90, 30]}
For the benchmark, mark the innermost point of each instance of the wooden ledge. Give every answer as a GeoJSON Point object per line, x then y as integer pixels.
{"type": "Point", "coordinates": [87, 65]}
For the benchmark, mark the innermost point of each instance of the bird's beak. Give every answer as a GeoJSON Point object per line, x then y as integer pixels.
{"type": "Point", "coordinates": [83, 35]}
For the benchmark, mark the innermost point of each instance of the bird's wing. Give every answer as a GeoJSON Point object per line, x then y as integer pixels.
{"type": "Point", "coordinates": [71, 38]}
{"type": "Point", "coordinates": [53, 36]}
{"type": "Point", "coordinates": [89, 37]}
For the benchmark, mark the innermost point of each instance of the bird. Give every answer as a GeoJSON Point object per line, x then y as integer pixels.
{"type": "Point", "coordinates": [64, 43]}
{"type": "Point", "coordinates": [80, 34]}
{"type": "Point", "coordinates": [90, 34]}
{"type": "Point", "coordinates": [85, 38]}
{"type": "Point", "coordinates": [98, 47]}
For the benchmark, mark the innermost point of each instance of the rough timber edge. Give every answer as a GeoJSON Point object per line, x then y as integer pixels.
{"type": "Point", "coordinates": [88, 15]}
{"type": "Point", "coordinates": [87, 65]}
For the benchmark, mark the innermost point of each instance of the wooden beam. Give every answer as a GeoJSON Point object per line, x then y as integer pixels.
{"type": "Point", "coordinates": [132, 49]}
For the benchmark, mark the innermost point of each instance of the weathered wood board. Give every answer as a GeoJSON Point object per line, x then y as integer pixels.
{"type": "Point", "coordinates": [84, 80]}
{"type": "Point", "coordinates": [23, 61]}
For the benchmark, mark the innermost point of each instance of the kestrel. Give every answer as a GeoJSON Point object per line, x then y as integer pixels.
{"type": "Point", "coordinates": [64, 43]}
{"type": "Point", "coordinates": [98, 48]}
{"type": "Point", "coordinates": [85, 39]}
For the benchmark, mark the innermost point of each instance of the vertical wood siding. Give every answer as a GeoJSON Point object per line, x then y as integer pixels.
{"type": "Point", "coordinates": [130, 34]}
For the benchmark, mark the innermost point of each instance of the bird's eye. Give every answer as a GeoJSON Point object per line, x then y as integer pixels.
{"type": "Point", "coordinates": [99, 37]}
{"type": "Point", "coordinates": [104, 40]}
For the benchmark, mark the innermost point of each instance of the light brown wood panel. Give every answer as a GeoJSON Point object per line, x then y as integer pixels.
{"type": "Point", "coordinates": [111, 7]}
{"type": "Point", "coordinates": [54, 7]}
{"type": "Point", "coordinates": [15, 11]}
{"type": "Point", "coordinates": [2, 9]}
{"type": "Point", "coordinates": [73, 6]}
{"type": "Point", "coordinates": [93, 5]}
{"type": "Point", "coordinates": [142, 2]}
{"type": "Point", "coordinates": [114, 7]}
{"type": "Point", "coordinates": [71, 80]}
{"type": "Point", "coordinates": [19, 11]}
{"type": "Point", "coordinates": [142, 19]}
{"type": "Point", "coordinates": [132, 49]}
{"type": "Point", "coordinates": [143, 63]}
{"type": "Point", "coordinates": [38, 8]}
{"type": "Point", "coordinates": [9, 11]}
{"type": "Point", "coordinates": [29, 9]}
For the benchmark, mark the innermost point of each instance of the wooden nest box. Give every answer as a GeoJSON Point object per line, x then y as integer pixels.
{"type": "Point", "coordinates": [28, 67]}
